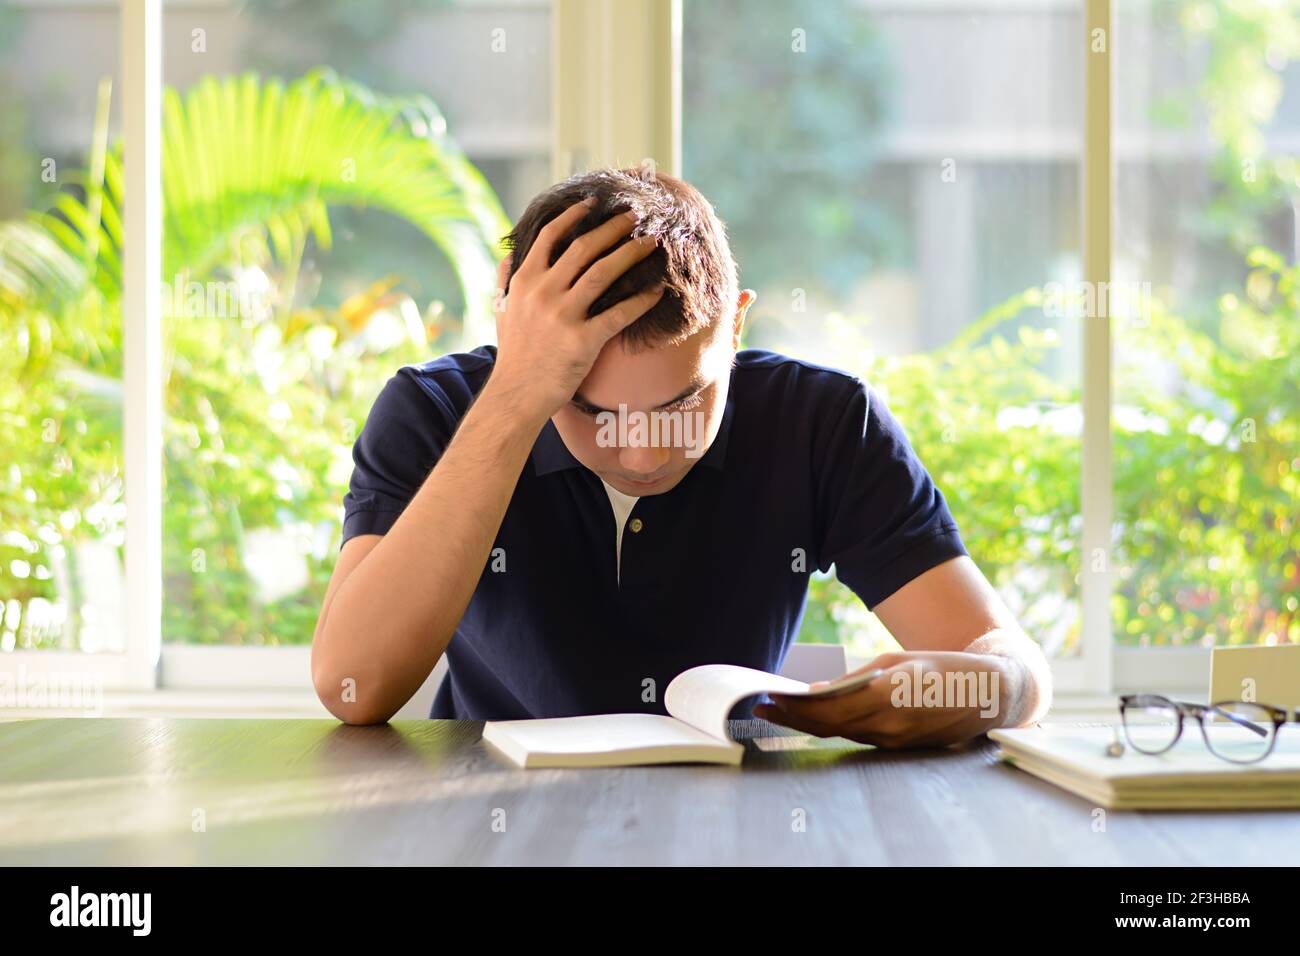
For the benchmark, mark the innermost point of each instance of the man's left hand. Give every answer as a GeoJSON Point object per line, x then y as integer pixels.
{"type": "Point", "coordinates": [923, 699]}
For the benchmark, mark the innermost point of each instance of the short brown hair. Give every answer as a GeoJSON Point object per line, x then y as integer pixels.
{"type": "Point", "coordinates": [693, 260]}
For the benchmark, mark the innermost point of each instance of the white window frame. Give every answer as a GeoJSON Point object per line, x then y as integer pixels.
{"type": "Point", "coordinates": [136, 667]}
{"type": "Point", "coordinates": [616, 99]}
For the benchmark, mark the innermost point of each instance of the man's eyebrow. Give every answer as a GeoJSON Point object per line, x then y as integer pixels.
{"type": "Point", "coordinates": [697, 385]}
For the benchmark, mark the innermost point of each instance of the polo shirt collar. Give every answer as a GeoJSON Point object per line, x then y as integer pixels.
{"type": "Point", "coordinates": [550, 454]}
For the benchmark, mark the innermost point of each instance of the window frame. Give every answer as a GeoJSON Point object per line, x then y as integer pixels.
{"type": "Point", "coordinates": [640, 64]}
{"type": "Point", "coordinates": [136, 666]}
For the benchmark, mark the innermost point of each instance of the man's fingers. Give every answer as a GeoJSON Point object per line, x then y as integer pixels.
{"type": "Point", "coordinates": [605, 325]}
{"type": "Point", "coordinates": [865, 729]}
{"type": "Point", "coordinates": [593, 283]}
{"type": "Point", "coordinates": [836, 712]}
{"type": "Point", "coordinates": [873, 697]}
{"type": "Point", "coordinates": [587, 248]}
{"type": "Point", "coordinates": [848, 706]}
{"type": "Point", "coordinates": [539, 256]}
{"type": "Point", "coordinates": [779, 715]}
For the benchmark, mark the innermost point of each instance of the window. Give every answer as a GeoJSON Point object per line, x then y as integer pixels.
{"type": "Point", "coordinates": [333, 178]}
{"type": "Point", "coordinates": [1207, 358]}
{"type": "Point", "coordinates": [900, 183]}
{"type": "Point", "coordinates": [322, 167]}
{"type": "Point", "coordinates": [62, 496]}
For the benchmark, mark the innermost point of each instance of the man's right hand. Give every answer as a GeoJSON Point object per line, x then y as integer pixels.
{"type": "Point", "coordinates": [546, 344]}
{"type": "Point", "coordinates": [393, 602]}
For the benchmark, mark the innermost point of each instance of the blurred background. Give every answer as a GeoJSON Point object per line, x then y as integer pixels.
{"type": "Point", "coordinates": [904, 195]}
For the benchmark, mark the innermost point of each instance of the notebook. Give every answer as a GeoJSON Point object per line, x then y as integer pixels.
{"type": "Point", "coordinates": [698, 700]}
{"type": "Point", "coordinates": [1188, 777]}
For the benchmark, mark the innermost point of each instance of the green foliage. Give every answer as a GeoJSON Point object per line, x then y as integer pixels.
{"type": "Point", "coordinates": [259, 437]}
{"type": "Point", "coordinates": [250, 168]}
{"type": "Point", "coordinates": [1207, 473]}
{"type": "Point", "coordinates": [263, 393]}
{"type": "Point", "coordinates": [791, 92]}
{"type": "Point", "coordinates": [1243, 45]}
{"type": "Point", "coordinates": [1206, 442]}
{"type": "Point", "coordinates": [263, 399]}
{"type": "Point", "coordinates": [995, 433]}
{"type": "Point", "coordinates": [1208, 491]}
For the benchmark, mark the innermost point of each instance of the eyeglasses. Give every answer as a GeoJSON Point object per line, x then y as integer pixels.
{"type": "Point", "coordinates": [1242, 732]}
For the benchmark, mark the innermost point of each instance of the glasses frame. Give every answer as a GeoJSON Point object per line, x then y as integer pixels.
{"type": "Point", "coordinates": [1186, 709]}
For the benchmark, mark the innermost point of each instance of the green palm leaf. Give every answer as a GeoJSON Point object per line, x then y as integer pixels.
{"type": "Point", "coordinates": [257, 161]}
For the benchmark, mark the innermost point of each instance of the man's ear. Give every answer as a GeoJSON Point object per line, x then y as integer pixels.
{"type": "Point", "coordinates": [503, 277]}
{"type": "Point", "coordinates": [747, 298]}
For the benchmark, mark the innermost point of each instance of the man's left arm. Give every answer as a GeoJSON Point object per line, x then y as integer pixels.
{"type": "Point", "coordinates": [888, 532]}
{"type": "Point", "coordinates": [953, 607]}
{"type": "Point", "coordinates": [958, 638]}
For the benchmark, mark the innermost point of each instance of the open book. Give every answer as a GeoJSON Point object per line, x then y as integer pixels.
{"type": "Point", "coordinates": [699, 701]}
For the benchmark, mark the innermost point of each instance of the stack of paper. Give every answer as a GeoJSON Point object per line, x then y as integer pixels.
{"type": "Point", "coordinates": [1186, 777]}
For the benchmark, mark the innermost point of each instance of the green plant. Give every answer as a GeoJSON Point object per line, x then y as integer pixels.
{"type": "Point", "coordinates": [264, 392]}
{"type": "Point", "coordinates": [1207, 474]}
{"type": "Point", "coordinates": [1207, 400]}
{"type": "Point", "coordinates": [795, 93]}
{"type": "Point", "coordinates": [263, 405]}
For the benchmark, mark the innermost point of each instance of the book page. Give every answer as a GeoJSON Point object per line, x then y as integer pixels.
{"type": "Point", "coordinates": [703, 696]}
{"type": "Point", "coordinates": [597, 733]}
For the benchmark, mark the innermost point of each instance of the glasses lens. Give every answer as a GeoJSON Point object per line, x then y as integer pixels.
{"type": "Point", "coordinates": [1150, 724]}
{"type": "Point", "coordinates": [1240, 732]}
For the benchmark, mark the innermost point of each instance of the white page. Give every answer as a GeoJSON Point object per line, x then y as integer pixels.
{"type": "Point", "coordinates": [601, 733]}
{"type": "Point", "coordinates": [703, 696]}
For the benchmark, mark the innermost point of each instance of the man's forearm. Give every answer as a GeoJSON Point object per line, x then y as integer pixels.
{"type": "Point", "coordinates": [1026, 692]}
{"type": "Point", "coordinates": [390, 621]}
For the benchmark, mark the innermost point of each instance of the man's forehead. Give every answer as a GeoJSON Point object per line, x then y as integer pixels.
{"type": "Point", "coordinates": [649, 377]}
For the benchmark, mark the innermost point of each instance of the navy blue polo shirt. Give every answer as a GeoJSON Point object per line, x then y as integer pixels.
{"type": "Point", "coordinates": [808, 470]}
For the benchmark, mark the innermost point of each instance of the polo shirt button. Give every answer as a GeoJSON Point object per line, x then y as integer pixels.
{"type": "Point", "coordinates": [636, 525]}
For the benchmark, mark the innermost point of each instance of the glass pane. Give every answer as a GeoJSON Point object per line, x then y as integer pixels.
{"type": "Point", "coordinates": [336, 177]}
{"type": "Point", "coordinates": [1207, 383]}
{"type": "Point", "coordinates": [900, 185]}
{"type": "Point", "coordinates": [62, 502]}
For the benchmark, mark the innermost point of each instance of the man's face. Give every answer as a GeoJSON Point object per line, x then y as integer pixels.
{"type": "Point", "coordinates": [673, 398]}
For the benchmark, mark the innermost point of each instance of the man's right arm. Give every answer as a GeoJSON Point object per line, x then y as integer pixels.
{"type": "Point", "coordinates": [393, 603]}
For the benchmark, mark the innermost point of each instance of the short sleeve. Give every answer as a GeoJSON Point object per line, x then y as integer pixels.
{"type": "Point", "coordinates": [405, 434]}
{"type": "Point", "coordinates": [882, 520]}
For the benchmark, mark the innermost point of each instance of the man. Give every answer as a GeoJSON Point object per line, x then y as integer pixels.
{"type": "Point", "coordinates": [506, 510]}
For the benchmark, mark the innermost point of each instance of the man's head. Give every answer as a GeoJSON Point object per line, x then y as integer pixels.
{"type": "Point", "coordinates": [670, 369]}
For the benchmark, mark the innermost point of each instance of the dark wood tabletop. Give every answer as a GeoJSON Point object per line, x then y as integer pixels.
{"type": "Point", "coordinates": [216, 792]}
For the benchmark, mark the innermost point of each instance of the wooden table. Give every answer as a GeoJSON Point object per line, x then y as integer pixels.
{"type": "Point", "coordinates": [190, 791]}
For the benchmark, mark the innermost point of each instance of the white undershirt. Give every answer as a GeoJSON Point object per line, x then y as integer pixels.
{"type": "Point", "coordinates": [622, 505]}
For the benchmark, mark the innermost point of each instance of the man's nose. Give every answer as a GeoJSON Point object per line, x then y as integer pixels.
{"type": "Point", "coordinates": [644, 459]}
